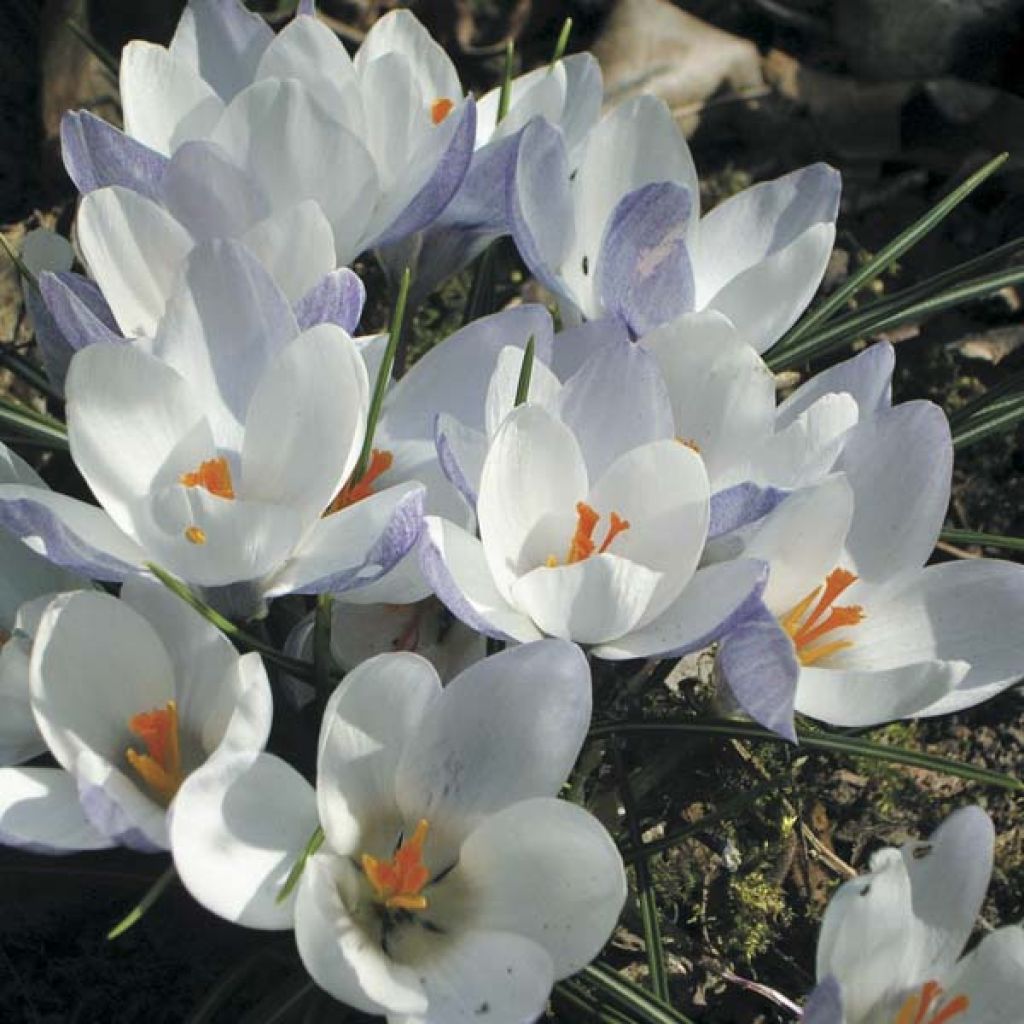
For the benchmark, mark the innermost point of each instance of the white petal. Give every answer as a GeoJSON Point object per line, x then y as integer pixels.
{"type": "Point", "coordinates": [165, 101]}
{"type": "Point", "coordinates": [547, 870]}
{"type": "Point", "coordinates": [367, 724]}
{"type": "Point", "coordinates": [991, 977]}
{"type": "Point", "coordinates": [134, 249]}
{"type": "Point", "coordinates": [19, 735]}
{"type": "Point", "coordinates": [40, 813]}
{"type": "Point", "coordinates": [237, 826]}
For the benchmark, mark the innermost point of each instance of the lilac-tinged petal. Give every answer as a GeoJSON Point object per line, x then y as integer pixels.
{"type": "Point", "coordinates": [644, 271]}
{"type": "Point", "coordinates": [79, 310]}
{"type": "Point", "coordinates": [337, 299]}
{"type": "Point", "coordinates": [115, 808]}
{"type": "Point", "coordinates": [867, 377]}
{"type": "Point", "coordinates": [306, 7]}
{"type": "Point", "coordinates": [718, 600]}
{"type": "Point", "coordinates": [97, 154]}
{"type": "Point", "coordinates": [741, 504]}
{"type": "Point", "coordinates": [442, 185]}
{"type": "Point", "coordinates": [825, 1004]}
{"type": "Point", "coordinates": [758, 663]}
{"type": "Point", "coordinates": [40, 813]}
{"type": "Point", "coordinates": [70, 533]}
{"type": "Point", "coordinates": [460, 453]}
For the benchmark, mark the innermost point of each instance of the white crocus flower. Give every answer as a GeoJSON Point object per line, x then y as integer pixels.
{"type": "Point", "coordinates": [130, 696]}
{"type": "Point", "coordinates": [217, 447]}
{"type": "Point", "coordinates": [592, 518]}
{"type": "Point", "coordinates": [379, 144]}
{"type": "Point", "coordinates": [891, 941]}
{"type": "Point", "coordinates": [623, 237]}
{"type": "Point", "coordinates": [450, 881]}
{"type": "Point", "coordinates": [855, 630]}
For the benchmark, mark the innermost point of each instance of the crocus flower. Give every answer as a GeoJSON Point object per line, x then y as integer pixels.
{"type": "Point", "coordinates": [130, 696]}
{"type": "Point", "coordinates": [891, 940]}
{"type": "Point", "coordinates": [449, 882]}
{"type": "Point", "coordinates": [855, 630]}
{"type": "Point", "coordinates": [217, 447]}
{"type": "Point", "coordinates": [592, 518]}
{"type": "Point", "coordinates": [623, 237]}
{"type": "Point", "coordinates": [379, 143]}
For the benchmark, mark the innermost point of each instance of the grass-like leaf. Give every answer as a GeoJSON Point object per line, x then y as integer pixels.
{"type": "Point", "coordinates": [34, 425]}
{"type": "Point", "coordinates": [985, 540]}
{"type": "Point", "coordinates": [525, 373]}
{"type": "Point", "coordinates": [316, 840]}
{"type": "Point", "coordinates": [155, 891]}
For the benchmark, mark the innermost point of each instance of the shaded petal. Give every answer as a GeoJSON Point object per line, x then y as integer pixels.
{"type": "Point", "coordinates": [547, 870]}
{"type": "Point", "coordinates": [454, 563]}
{"type": "Point", "coordinates": [741, 505]}
{"type": "Point", "coordinates": [991, 977]}
{"type": "Point", "coordinates": [40, 813]}
{"type": "Point", "coordinates": [97, 154]}
{"type": "Point", "coordinates": [237, 826]}
{"type": "Point", "coordinates": [338, 298]}
{"type": "Point", "coordinates": [134, 248]}
{"type": "Point", "coordinates": [370, 718]}
{"type": "Point", "coordinates": [506, 729]}
{"type": "Point", "coordinates": [504, 383]}
{"type": "Point", "coordinates": [644, 274]}
{"type": "Point", "coordinates": [116, 807]}
{"type": "Point", "coordinates": [825, 1003]}
{"type": "Point", "coordinates": [461, 451]}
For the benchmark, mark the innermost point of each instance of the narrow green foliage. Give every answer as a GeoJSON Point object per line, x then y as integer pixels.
{"type": "Point", "coordinates": [525, 373]}
{"type": "Point", "coordinates": [481, 300]}
{"type": "Point", "coordinates": [322, 661]}
{"type": "Point", "coordinates": [103, 55]}
{"type": "Point", "coordinates": [316, 840]}
{"type": "Point", "coordinates": [380, 386]}
{"type": "Point", "coordinates": [562, 43]}
{"type": "Point", "coordinates": [19, 263]}
{"type": "Point", "coordinates": [985, 540]}
{"type": "Point", "coordinates": [24, 368]}
{"type": "Point", "coordinates": [295, 666]}
{"type": "Point", "coordinates": [883, 260]}
{"type": "Point", "coordinates": [832, 743]}
{"type": "Point", "coordinates": [135, 915]}
{"type": "Point", "coordinates": [505, 96]}
{"type": "Point", "coordinates": [1005, 391]}
{"type": "Point", "coordinates": [1001, 420]}
{"type": "Point", "coordinates": [641, 1006]}
{"type": "Point", "coordinates": [585, 1008]}
{"type": "Point", "coordinates": [279, 1005]}
{"type": "Point", "coordinates": [36, 426]}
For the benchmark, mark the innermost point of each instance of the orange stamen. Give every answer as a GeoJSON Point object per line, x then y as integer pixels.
{"type": "Point", "coordinates": [440, 109]}
{"type": "Point", "coordinates": [804, 629]}
{"type": "Point", "coordinates": [397, 883]}
{"type": "Point", "coordinates": [582, 545]}
{"type": "Point", "coordinates": [160, 766]}
{"type": "Point", "coordinates": [917, 1009]}
{"type": "Point", "coordinates": [356, 490]}
{"type": "Point", "coordinates": [195, 535]}
{"type": "Point", "coordinates": [214, 475]}
{"type": "Point", "coordinates": [618, 525]}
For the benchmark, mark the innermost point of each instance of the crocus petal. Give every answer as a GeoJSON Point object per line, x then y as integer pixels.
{"type": "Point", "coordinates": [208, 194]}
{"type": "Point", "coordinates": [356, 546]}
{"type": "Point", "coordinates": [867, 377]}
{"type": "Point", "coordinates": [644, 274]}
{"type": "Point", "coordinates": [461, 451]}
{"type": "Point", "coordinates": [534, 472]}
{"type": "Point", "coordinates": [20, 740]}
{"type": "Point", "coordinates": [40, 813]}
{"type": "Point", "coordinates": [741, 505]}
{"type": "Point", "coordinates": [338, 298]}
{"type": "Point", "coordinates": [70, 533]}
{"type": "Point", "coordinates": [97, 154]}
{"type": "Point", "coordinates": [615, 402]}
{"type": "Point", "coordinates": [336, 950]}
{"type": "Point", "coordinates": [716, 600]}
{"type": "Point", "coordinates": [547, 870]}
{"type": "Point", "coordinates": [305, 421]}
{"type": "Point", "coordinates": [851, 696]}
{"type": "Point", "coordinates": [81, 317]}
{"type": "Point", "coordinates": [237, 826]}
{"type": "Point", "coordinates": [134, 421]}
{"type": "Point", "coordinates": [134, 249]}
{"type": "Point", "coordinates": [455, 565]}
{"type": "Point", "coordinates": [117, 808]}
{"type": "Point", "coordinates": [367, 723]}
{"type": "Point", "coordinates": [991, 977]}
{"type": "Point", "coordinates": [825, 1004]}
{"type": "Point", "coordinates": [506, 729]}
{"type": "Point", "coordinates": [501, 391]}
{"type": "Point", "coordinates": [222, 42]}
{"type": "Point", "coordinates": [758, 662]}
{"type": "Point", "coordinates": [165, 101]}
{"type": "Point", "coordinates": [899, 464]}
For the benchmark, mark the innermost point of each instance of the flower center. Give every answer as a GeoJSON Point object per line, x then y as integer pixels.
{"type": "Point", "coordinates": [160, 766]}
{"type": "Point", "coordinates": [583, 545]}
{"type": "Point", "coordinates": [214, 475]}
{"type": "Point", "coordinates": [921, 1007]}
{"type": "Point", "coordinates": [355, 490]}
{"type": "Point", "coordinates": [806, 625]}
{"type": "Point", "coordinates": [397, 883]}
{"type": "Point", "coordinates": [440, 109]}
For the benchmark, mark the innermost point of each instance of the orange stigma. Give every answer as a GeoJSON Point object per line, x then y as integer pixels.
{"type": "Point", "coordinates": [214, 475]}
{"type": "Point", "coordinates": [356, 490]}
{"type": "Point", "coordinates": [397, 883]}
{"type": "Point", "coordinates": [440, 109]}
{"type": "Point", "coordinates": [582, 545]}
{"type": "Point", "coordinates": [918, 1008]}
{"type": "Point", "coordinates": [160, 766]}
{"type": "Point", "coordinates": [804, 629]}
{"type": "Point", "coordinates": [195, 535]}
